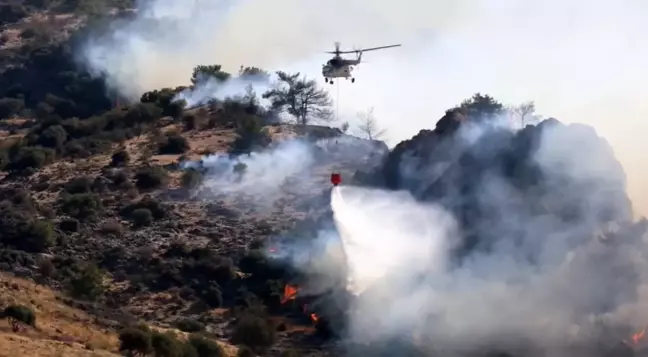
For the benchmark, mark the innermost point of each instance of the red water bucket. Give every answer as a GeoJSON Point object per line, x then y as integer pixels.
{"type": "Point", "coordinates": [336, 179]}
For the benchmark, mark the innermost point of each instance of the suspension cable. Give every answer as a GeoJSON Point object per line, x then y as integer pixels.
{"type": "Point", "coordinates": [337, 101]}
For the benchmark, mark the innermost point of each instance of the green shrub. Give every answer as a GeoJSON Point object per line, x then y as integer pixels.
{"type": "Point", "coordinates": [79, 185]}
{"type": "Point", "coordinates": [46, 268]}
{"type": "Point", "coordinates": [143, 113]}
{"type": "Point", "coordinates": [190, 325]}
{"type": "Point", "coordinates": [17, 314]}
{"type": "Point", "coordinates": [120, 179]}
{"type": "Point", "coordinates": [245, 351]}
{"type": "Point", "coordinates": [164, 100]}
{"type": "Point", "coordinates": [191, 179]}
{"type": "Point", "coordinates": [240, 168]}
{"type": "Point", "coordinates": [120, 158]}
{"type": "Point", "coordinates": [250, 135]}
{"type": "Point", "coordinates": [213, 297]}
{"type": "Point", "coordinates": [191, 122]}
{"type": "Point", "coordinates": [81, 205]}
{"type": "Point", "coordinates": [69, 225]}
{"type": "Point", "coordinates": [112, 228]}
{"type": "Point", "coordinates": [53, 137]}
{"type": "Point", "coordinates": [166, 345]}
{"type": "Point", "coordinates": [29, 159]}
{"type": "Point", "coordinates": [255, 332]}
{"type": "Point", "coordinates": [206, 347]}
{"type": "Point", "coordinates": [173, 144]}
{"type": "Point", "coordinates": [22, 231]}
{"type": "Point", "coordinates": [188, 350]}
{"type": "Point", "coordinates": [158, 210]}
{"type": "Point", "coordinates": [289, 353]}
{"type": "Point", "coordinates": [38, 236]}
{"type": "Point", "coordinates": [135, 341]}
{"type": "Point", "coordinates": [208, 266]}
{"type": "Point", "coordinates": [255, 262]}
{"type": "Point", "coordinates": [142, 217]}
{"type": "Point", "coordinates": [10, 106]}
{"type": "Point", "coordinates": [151, 178]}
{"type": "Point", "coordinates": [88, 283]}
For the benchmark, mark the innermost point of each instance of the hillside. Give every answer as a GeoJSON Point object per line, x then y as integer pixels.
{"type": "Point", "coordinates": [146, 262]}
{"type": "Point", "coordinates": [96, 205]}
{"type": "Point", "coordinates": [61, 329]}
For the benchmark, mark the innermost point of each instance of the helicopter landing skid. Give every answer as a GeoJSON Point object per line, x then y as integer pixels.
{"type": "Point", "coordinates": [330, 80]}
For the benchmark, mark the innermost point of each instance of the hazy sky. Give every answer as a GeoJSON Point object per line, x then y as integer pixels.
{"type": "Point", "coordinates": [580, 61]}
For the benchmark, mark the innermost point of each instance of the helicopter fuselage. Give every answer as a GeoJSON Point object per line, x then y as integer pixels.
{"type": "Point", "coordinates": [338, 68]}
{"type": "Point", "coordinates": [329, 71]}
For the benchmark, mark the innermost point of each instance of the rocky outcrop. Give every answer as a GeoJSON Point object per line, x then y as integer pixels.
{"type": "Point", "coordinates": [490, 176]}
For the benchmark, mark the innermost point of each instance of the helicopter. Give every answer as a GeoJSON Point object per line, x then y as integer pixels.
{"type": "Point", "coordinates": [338, 67]}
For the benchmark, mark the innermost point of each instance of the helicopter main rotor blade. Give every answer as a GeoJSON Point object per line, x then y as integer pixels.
{"type": "Point", "coordinates": [360, 50]}
{"type": "Point", "coordinates": [375, 48]}
{"type": "Point", "coordinates": [344, 52]}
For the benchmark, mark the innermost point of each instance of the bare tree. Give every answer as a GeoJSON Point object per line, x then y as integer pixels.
{"type": "Point", "coordinates": [369, 126]}
{"type": "Point", "coordinates": [300, 98]}
{"type": "Point", "coordinates": [524, 111]}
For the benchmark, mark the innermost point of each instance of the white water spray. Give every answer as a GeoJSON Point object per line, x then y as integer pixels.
{"type": "Point", "coordinates": [384, 232]}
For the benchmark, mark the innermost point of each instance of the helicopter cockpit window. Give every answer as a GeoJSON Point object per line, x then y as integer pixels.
{"type": "Point", "coordinates": [334, 62]}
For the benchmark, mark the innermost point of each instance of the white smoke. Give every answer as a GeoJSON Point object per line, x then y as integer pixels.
{"type": "Point", "coordinates": [543, 280]}
{"type": "Point", "coordinates": [211, 89]}
{"type": "Point", "coordinates": [264, 177]}
{"type": "Point", "coordinates": [581, 61]}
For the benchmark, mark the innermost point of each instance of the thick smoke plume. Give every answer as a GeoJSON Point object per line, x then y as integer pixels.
{"type": "Point", "coordinates": [290, 170]}
{"type": "Point", "coordinates": [583, 61]}
{"type": "Point", "coordinates": [210, 89]}
{"type": "Point", "coordinates": [264, 177]}
{"type": "Point", "coordinates": [557, 269]}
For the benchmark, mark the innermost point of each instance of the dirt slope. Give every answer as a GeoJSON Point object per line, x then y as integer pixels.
{"type": "Point", "coordinates": [60, 330]}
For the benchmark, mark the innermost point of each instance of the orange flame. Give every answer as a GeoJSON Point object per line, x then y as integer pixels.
{"type": "Point", "coordinates": [290, 292]}
{"type": "Point", "coordinates": [638, 336]}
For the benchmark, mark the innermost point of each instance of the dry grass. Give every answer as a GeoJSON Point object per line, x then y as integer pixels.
{"type": "Point", "coordinates": [12, 345]}
{"type": "Point", "coordinates": [60, 329]}
{"type": "Point", "coordinates": [65, 331]}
